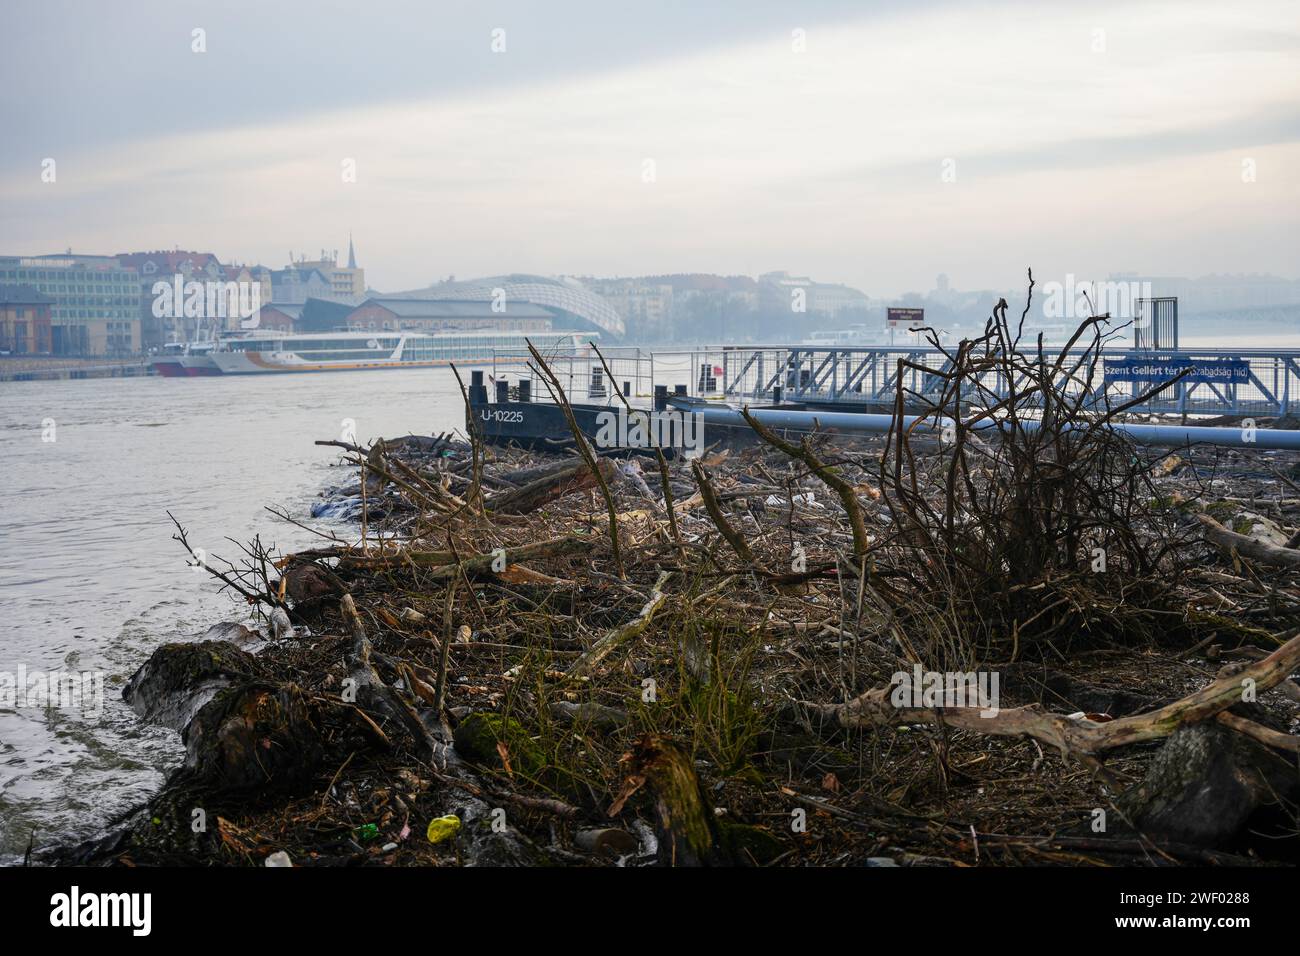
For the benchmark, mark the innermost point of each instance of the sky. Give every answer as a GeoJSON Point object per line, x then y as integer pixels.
{"type": "Point", "coordinates": [876, 144]}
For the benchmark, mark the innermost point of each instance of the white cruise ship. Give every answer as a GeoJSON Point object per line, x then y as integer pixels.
{"type": "Point", "coordinates": [353, 351]}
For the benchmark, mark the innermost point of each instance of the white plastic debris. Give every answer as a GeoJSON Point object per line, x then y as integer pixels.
{"type": "Point", "coordinates": [279, 858]}
{"type": "Point", "coordinates": [280, 626]}
{"type": "Point", "coordinates": [649, 842]}
{"type": "Point", "coordinates": [631, 470]}
{"type": "Point", "coordinates": [803, 498]}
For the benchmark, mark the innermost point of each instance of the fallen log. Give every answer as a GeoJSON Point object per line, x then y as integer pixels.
{"type": "Point", "coordinates": [253, 736]}
{"type": "Point", "coordinates": [589, 713]}
{"type": "Point", "coordinates": [178, 679]}
{"type": "Point", "coordinates": [445, 563]}
{"type": "Point", "coordinates": [526, 476]}
{"type": "Point", "coordinates": [564, 546]}
{"type": "Point", "coordinates": [685, 825]}
{"type": "Point", "coordinates": [1206, 784]}
{"type": "Point", "coordinates": [574, 476]}
{"type": "Point", "coordinates": [1248, 547]}
{"type": "Point", "coordinates": [1074, 737]}
{"type": "Point", "coordinates": [372, 693]}
{"type": "Point", "coordinates": [1265, 735]}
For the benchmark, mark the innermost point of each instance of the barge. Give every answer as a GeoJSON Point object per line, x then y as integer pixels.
{"type": "Point", "coordinates": [800, 390]}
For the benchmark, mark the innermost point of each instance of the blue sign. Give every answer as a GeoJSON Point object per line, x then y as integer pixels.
{"type": "Point", "coordinates": [1161, 368]}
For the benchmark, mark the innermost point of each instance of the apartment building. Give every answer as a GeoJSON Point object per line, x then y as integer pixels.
{"type": "Point", "coordinates": [96, 301]}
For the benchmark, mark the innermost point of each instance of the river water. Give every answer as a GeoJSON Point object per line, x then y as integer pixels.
{"type": "Point", "coordinates": [90, 579]}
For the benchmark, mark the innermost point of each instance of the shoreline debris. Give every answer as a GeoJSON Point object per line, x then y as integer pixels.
{"type": "Point", "coordinates": [720, 693]}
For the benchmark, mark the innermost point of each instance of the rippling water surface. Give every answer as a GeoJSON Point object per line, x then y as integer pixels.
{"type": "Point", "coordinates": [90, 580]}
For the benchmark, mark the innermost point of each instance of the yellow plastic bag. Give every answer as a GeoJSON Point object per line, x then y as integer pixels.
{"type": "Point", "coordinates": [443, 828]}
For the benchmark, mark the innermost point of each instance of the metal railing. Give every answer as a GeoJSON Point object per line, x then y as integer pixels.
{"type": "Point", "coordinates": [1223, 381]}
{"type": "Point", "coordinates": [635, 372]}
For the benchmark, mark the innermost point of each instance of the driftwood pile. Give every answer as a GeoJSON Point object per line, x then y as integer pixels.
{"type": "Point", "coordinates": [520, 658]}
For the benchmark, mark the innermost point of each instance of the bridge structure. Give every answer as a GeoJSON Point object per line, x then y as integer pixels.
{"type": "Point", "coordinates": [1222, 381]}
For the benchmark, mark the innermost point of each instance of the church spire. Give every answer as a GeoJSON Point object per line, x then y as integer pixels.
{"type": "Point", "coordinates": [352, 254]}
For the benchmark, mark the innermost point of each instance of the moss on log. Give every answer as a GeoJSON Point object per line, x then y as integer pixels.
{"type": "Point", "coordinates": [253, 736]}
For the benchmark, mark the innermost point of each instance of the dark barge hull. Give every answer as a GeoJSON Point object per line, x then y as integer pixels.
{"type": "Point", "coordinates": [542, 426]}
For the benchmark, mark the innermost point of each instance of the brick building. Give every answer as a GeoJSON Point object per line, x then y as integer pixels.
{"type": "Point", "coordinates": [279, 317]}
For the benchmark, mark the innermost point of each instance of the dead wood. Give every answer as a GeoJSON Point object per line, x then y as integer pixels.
{"type": "Point", "coordinates": [371, 692]}
{"type": "Point", "coordinates": [710, 499]}
{"type": "Point", "coordinates": [1073, 737]}
{"type": "Point", "coordinates": [984, 549]}
{"type": "Point", "coordinates": [444, 564]}
{"type": "Point", "coordinates": [584, 447]}
{"type": "Point", "coordinates": [575, 476]}
{"type": "Point", "coordinates": [684, 821]}
{"type": "Point", "coordinates": [1229, 541]}
{"type": "Point", "coordinates": [847, 491]}
{"type": "Point", "coordinates": [621, 634]}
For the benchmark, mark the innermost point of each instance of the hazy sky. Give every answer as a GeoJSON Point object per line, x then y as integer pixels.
{"type": "Point", "coordinates": [1083, 137]}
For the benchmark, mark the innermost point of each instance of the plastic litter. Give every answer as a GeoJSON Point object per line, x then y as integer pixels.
{"type": "Point", "coordinates": [443, 828]}
{"type": "Point", "coordinates": [367, 831]}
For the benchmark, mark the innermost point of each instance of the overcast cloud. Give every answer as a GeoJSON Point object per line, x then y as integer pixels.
{"type": "Point", "coordinates": [1070, 150]}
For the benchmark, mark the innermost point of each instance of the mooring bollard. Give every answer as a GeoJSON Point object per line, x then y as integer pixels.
{"type": "Point", "coordinates": [478, 394]}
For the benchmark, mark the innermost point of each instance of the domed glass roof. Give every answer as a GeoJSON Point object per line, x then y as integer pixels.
{"type": "Point", "coordinates": [565, 294]}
